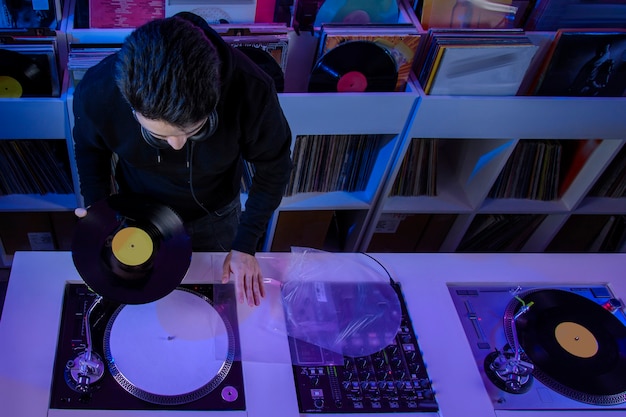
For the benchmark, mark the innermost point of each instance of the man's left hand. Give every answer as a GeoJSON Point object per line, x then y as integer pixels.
{"type": "Point", "coordinates": [248, 277]}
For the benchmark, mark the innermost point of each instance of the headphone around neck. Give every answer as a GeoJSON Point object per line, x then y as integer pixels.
{"type": "Point", "coordinates": [207, 130]}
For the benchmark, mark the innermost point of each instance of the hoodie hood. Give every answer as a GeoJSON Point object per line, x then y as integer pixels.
{"type": "Point", "coordinates": [223, 49]}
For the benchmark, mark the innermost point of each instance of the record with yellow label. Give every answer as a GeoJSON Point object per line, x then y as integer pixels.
{"type": "Point", "coordinates": [23, 76]}
{"type": "Point", "coordinates": [577, 347]}
{"type": "Point", "coordinates": [130, 249]}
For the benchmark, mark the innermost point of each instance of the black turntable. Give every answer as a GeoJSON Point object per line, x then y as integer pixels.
{"type": "Point", "coordinates": [180, 352]}
{"type": "Point", "coordinates": [546, 347]}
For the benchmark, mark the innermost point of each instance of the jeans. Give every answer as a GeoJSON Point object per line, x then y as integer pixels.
{"type": "Point", "coordinates": [215, 231]}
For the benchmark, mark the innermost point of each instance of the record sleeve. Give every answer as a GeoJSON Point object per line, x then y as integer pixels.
{"type": "Point", "coordinates": [26, 74]}
{"type": "Point", "coordinates": [126, 14]}
{"type": "Point", "coordinates": [357, 66]}
{"type": "Point", "coordinates": [266, 62]}
{"type": "Point", "coordinates": [358, 12]}
{"type": "Point", "coordinates": [23, 14]}
{"type": "Point", "coordinates": [216, 11]}
{"type": "Point", "coordinates": [268, 51]}
{"type": "Point", "coordinates": [584, 63]}
{"type": "Point", "coordinates": [496, 14]}
{"type": "Point", "coordinates": [401, 41]}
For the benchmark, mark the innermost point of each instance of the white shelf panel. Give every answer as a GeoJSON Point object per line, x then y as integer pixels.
{"type": "Point", "coordinates": [602, 205]}
{"type": "Point", "coordinates": [37, 202]}
{"type": "Point", "coordinates": [116, 35]}
{"type": "Point", "coordinates": [336, 200]}
{"type": "Point", "coordinates": [522, 206]}
{"type": "Point", "coordinates": [521, 117]}
{"type": "Point", "coordinates": [347, 113]}
{"type": "Point", "coordinates": [32, 118]}
{"type": "Point", "coordinates": [424, 204]}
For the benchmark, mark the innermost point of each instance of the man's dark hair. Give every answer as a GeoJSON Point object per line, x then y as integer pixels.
{"type": "Point", "coordinates": [168, 70]}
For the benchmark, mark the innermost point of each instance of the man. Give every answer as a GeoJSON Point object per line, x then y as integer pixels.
{"type": "Point", "coordinates": [180, 109]}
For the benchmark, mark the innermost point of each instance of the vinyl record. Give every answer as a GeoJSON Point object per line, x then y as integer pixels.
{"type": "Point", "coordinates": [267, 63]}
{"type": "Point", "coordinates": [356, 66]}
{"type": "Point", "coordinates": [23, 76]}
{"type": "Point", "coordinates": [130, 249]}
{"type": "Point", "coordinates": [577, 347]}
{"type": "Point", "coordinates": [357, 12]}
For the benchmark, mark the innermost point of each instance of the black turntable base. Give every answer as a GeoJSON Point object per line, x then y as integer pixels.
{"type": "Point", "coordinates": [546, 348]}
{"type": "Point", "coordinates": [178, 353]}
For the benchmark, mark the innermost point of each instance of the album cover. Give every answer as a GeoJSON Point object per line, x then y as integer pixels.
{"type": "Point", "coordinates": [264, 12]}
{"type": "Point", "coordinates": [474, 62]}
{"type": "Point", "coordinates": [311, 14]}
{"type": "Point", "coordinates": [497, 14]}
{"type": "Point", "coordinates": [21, 14]}
{"type": "Point", "coordinates": [552, 15]}
{"type": "Point", "coordinates": [215, 12]}
{"type": "Point", "coordinates": [587, 63]}
{"type": "Point", "coordinates": [426, 54]}
{"type": "Point", "coordinates": [480, 70]}
{"type": "Point", "coordinates": [266, 45]}
{"type": "Point", "coordinates": [401, 41]}
{"type": "Point", "coordinates": [29, 70]}
{"type": "Point", "coordinates": [125, 14]}
{"type": "Point", "coordinates": [277, 47]}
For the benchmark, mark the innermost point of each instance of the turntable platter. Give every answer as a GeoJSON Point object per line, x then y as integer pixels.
{"type": "Point", "coordinates": [578, 348]}
{"type": "Point", "coordinates": [171, 351]}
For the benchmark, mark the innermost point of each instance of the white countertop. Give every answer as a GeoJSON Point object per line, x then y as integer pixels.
{"type": "Point", "coordinates": [31, 318]}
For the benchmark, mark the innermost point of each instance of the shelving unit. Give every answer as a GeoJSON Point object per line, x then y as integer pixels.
{"type": "Point", "coordinates": [346, 114]}
{"type": "Point", "coordinates": [475, 136]}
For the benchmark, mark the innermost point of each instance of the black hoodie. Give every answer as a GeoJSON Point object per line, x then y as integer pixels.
{"type": "Point", "coordinates": [251, 126]}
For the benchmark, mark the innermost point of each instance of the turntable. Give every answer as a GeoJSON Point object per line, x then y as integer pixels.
{"type": "Point", "coordinates": [545, 347]}
{"type": "Point", "coordinates": [154, 356]}
{"type": "Point", "coordinates": [132, 337]}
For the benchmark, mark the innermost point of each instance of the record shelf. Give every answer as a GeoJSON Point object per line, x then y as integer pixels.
{"type": "Point", "coordinates": [476, 136]}
{"type": "Point", "coordinates": [342, 215]}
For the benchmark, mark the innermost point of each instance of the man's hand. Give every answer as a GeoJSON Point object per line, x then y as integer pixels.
{"type": "Point", "coordinates": [80, 212]}
{"type": "Point", "coordinates": [248, 277]}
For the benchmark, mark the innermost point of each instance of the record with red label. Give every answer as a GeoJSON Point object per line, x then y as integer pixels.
{"type": "Point", "coordinates": [358, 66]}
{"type": "Point", "coordinates": [130, 249]}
